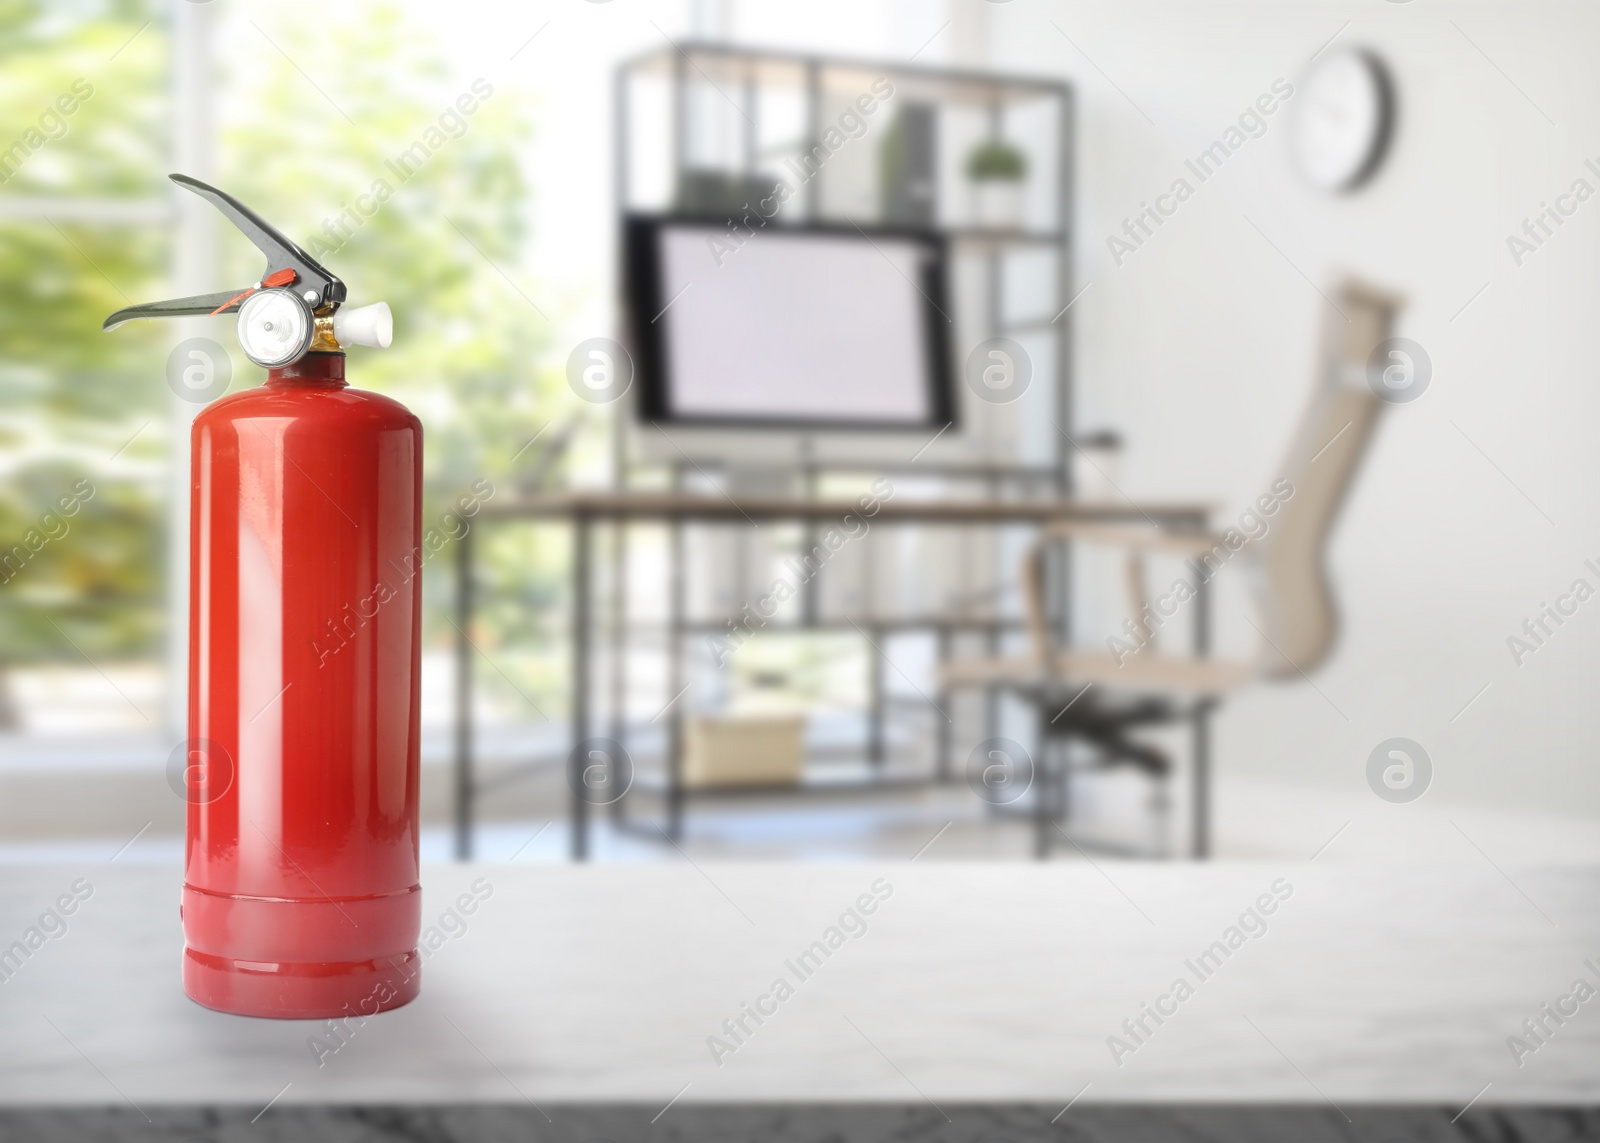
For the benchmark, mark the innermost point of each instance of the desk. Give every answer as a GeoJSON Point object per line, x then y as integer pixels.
{"type": "Point", "coordinates": [584, 510]}
{"type": "Point", "coordinates": [990, 988]}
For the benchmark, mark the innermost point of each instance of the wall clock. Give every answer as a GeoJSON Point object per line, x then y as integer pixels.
{"type": "Point", "coordinates": [1343, 117]}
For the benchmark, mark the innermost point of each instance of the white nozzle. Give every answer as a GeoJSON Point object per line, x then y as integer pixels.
{"type": "Point", "coordinates": [366, 325]}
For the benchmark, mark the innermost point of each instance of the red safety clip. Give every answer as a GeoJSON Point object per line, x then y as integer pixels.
{"type": "Point", "coordinates": [278, 278]}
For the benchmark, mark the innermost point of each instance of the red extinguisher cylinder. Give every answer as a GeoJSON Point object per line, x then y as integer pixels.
{"type": "Point", "coordinates": [301, 896]}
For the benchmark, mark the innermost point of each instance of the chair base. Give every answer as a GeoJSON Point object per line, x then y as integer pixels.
{"type": "Point", "coordinates": [1106, 724]}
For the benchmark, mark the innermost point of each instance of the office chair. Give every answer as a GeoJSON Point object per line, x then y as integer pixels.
{"type": "Point", "coordinates": [1103, 698]}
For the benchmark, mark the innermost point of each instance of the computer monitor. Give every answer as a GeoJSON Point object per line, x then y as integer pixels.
{"type": "Point", "coordinates": [782, 344]}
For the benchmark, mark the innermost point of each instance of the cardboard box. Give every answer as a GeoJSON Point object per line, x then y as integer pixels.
{"type": "Point", "coordinates": [744, 750]}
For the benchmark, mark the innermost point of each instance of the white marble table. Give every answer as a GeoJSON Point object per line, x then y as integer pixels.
{"type": "Point", "coordinates": [991, 984]}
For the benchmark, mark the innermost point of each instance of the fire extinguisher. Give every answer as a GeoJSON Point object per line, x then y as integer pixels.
{"type": "Point", "coordinates": [301, 895]}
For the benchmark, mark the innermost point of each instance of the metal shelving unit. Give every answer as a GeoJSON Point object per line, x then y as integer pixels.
{"type": "Point", "coordinates": [743, 89]}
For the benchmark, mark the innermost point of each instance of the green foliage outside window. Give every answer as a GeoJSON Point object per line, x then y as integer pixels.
{"type": "Point", "coordinates": [379, 171]}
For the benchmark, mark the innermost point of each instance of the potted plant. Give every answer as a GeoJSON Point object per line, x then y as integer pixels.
{"type": "Point", "coordinates": [997, 170]}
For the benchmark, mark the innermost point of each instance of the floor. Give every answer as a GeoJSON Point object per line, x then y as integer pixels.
{"type": "Point", "coordinates": [83, 798]}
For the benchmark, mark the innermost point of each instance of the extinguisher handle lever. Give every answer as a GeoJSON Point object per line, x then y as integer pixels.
{"type": "Point", "coordinates": [286, 262]}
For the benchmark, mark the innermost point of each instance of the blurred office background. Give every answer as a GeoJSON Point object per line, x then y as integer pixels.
{"type": "Point", "coordinates": [1192, 358]}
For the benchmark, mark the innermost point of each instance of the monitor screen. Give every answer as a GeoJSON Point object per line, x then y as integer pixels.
{"type": "Point", "coordinates": [788, 327]}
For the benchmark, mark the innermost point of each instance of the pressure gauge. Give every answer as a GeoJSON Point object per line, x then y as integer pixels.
{"type": "Point", "coordinates": [275, 327]}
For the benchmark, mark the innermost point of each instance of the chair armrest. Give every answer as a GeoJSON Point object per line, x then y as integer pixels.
{"type": "Point", "coordinates": [1138, 540]}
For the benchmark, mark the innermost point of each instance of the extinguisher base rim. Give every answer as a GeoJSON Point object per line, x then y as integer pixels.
{"type": "Point", "coordinates": [295, 991]}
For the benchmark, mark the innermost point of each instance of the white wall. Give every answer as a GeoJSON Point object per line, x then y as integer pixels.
{"type": "Point", "coordinates": [1199, 346]}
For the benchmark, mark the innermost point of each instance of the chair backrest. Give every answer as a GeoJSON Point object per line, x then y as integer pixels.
{"type": "Point", "coordinates": [1297, 602]}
